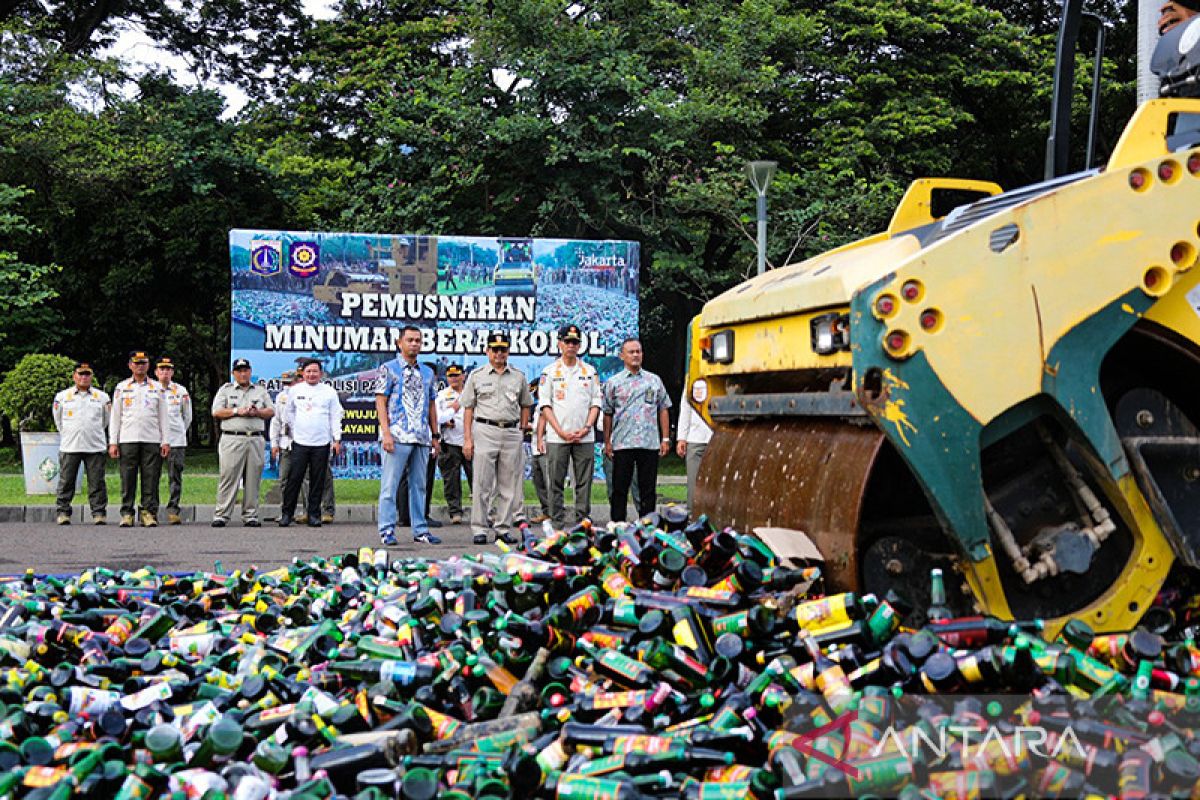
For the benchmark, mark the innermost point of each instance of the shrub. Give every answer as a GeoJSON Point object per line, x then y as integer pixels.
{"type": "Point", "coordinates": [27, 392]}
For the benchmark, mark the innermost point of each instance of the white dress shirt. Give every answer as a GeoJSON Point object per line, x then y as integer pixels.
{"type": "Point", "coordinates": [179, 413]}
{"type": "Point", "coordinates": [446, 399]}
{"type": "Point", "coordinates": [81, 418]}
{"type": "Point", "coordinates": [692, 427]}
{"type": "Point", "coordinates": [314, 414]}
{"type": "Point", "coordinates": [138, 413]}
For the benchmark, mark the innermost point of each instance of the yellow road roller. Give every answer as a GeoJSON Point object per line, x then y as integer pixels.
{"type": "Point", "coordinates": [1008, 388]}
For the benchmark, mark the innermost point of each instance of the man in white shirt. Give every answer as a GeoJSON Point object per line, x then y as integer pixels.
{"type": "Point", "coordinates": [179, 419]}
{"type": "Point", "coordinates": [81, 415]}
{"type": "Point", "coordinates": [137, 435]}
{"type": "Point", "coordinates": [692, 437]}
{"type": "Point", "coordinates": [569, 402]}
{"type": "Point", "coordinates": [314, 419]}
{"type": "Point", "coordinates": [281, 452]}
{"type": "Point", "coordinates": [451, 463]}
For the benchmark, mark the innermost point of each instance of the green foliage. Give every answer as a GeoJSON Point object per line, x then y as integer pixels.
{"type": "Point", "coordinates": [611, 119]}
{"type": "Point", "coordinates": [24, 287]}
{"type": "Point", "coordinates": [27, 391]}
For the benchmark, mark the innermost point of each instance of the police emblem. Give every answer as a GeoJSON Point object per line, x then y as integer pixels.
{"type": "Point", "coordinates": [305, 259]}
{"type": "Point", "coordinates": [266, 257]}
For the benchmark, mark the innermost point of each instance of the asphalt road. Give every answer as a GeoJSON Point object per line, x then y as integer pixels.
{"type": "Point", "coordinates": [50, 548]}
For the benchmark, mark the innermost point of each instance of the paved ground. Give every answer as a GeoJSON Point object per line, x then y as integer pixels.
{"type": "Point", "coordinates": [46, 547]}
{"type": "Point", "coordinates": [29, 538]}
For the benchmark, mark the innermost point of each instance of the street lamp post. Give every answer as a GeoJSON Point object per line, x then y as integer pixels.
{"type": "Point", "coordinates": [760, 174]}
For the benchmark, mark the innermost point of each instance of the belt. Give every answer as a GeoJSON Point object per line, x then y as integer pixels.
{"type": "Point", "coordinates": [240, 433]}
{"type": "Point", "coordinates": [497, 423]}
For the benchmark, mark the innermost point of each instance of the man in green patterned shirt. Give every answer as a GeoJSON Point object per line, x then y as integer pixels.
{"type": "Point", "coordinates": [637, 430]}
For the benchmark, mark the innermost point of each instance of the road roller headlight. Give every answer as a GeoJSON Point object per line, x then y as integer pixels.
{"type": "Point", "coordinates": [699, 390]}
{"type": "Point", "coordinates": [718, 348]}
{"type": "Point", "coordinates": [830, 333]}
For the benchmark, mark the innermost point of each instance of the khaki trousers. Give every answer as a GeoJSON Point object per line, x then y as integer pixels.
{"type": "Point", "coordinates": [241, 459]}
{"type": "Point", "coordinates": [498, 467]}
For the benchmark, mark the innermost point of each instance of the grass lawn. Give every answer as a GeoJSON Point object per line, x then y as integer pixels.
{"type": "Point", "coordinates": [200, 484]}
{"type": "Point", "coordinates": [202, 490]}
{"type": "Point", "coordinates": [203, 461]}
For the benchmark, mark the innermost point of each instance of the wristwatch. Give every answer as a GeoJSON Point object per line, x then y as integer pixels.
{"type": "Point", "coordinates": [437, 436]}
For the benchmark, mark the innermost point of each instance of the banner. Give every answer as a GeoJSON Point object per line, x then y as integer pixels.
{"type": "Point", "coordinates": [344, 297]}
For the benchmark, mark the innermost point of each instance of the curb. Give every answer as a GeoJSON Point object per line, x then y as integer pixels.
{"type": "Point", "coordinates": [348, 514]}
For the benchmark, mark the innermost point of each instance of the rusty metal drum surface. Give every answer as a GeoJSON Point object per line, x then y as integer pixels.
{"type": "Point", "coordinates": [810, 474]}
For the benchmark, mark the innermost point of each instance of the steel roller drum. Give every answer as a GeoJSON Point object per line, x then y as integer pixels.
{"type": "Point", "coordinates": [808, 474]}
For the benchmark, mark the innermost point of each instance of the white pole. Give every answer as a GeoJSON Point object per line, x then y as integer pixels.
{"type": "Point", "coordinates": [1147, 38]}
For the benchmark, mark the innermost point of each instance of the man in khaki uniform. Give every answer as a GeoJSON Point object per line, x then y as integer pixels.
{"type": "Point", "coordinates": [179, 419]}
{"type": "Point", "coordinates": [240, 409]}
{"type": "Point", "coordinates": [569, 401]}
{"type": "Point", "coordinates": [81, 415]}
{"type": "Point", "coordinates": [137, 435]}
{"type": "Point", "coordinates": [496, 402]}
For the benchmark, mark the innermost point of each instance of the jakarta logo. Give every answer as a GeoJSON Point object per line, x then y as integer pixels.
{"type": "Point", "coordinates": [305, 259]}
{"type": "Point", "coordinates": [266, 257]}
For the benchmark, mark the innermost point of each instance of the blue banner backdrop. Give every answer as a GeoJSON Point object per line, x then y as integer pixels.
{"type": "Point", "coordinates": [343, 298]}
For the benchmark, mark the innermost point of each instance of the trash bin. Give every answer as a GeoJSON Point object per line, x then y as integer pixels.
{"type": "Point", "coordinates": [39, 454]}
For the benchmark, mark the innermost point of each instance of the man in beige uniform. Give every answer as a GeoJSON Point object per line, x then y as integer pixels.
{"type": "Point", "coordinates": [496, 402]}
{"type": "Point", "coordinates": [81, 415]}
{"type": "Point", "coordinates": [179, 419]}
{"type": "Point", "coordinates": [137, 435]}
{"type": "Point", "coordinates": [569, 401]}
{"type": "Point", "coordinates": [240, 408]}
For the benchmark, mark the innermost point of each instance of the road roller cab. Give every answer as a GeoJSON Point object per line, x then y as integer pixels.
{"type": "Point", "coordinates": [1006, 389]}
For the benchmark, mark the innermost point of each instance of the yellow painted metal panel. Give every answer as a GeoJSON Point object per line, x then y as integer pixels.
{"type": "Point", "coordinates": [822, 282]}
{"type": "Point", "coordinates": [1079, 248]}
{"type": "Point", "coordinates": [916, 207]}
{"type": "Point", "coordinates": [776, 345]}
{"type": "Point", "coordinates": [1143, 138]}
{"type": "Point", "coordinates": [1176, 311]}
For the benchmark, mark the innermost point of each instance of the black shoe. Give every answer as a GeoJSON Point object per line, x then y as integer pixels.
{"type": "Point", "coordinates": [218, 523]}
{"type": "Point", "coordinates": [507, 538]}
{"type": "Point", "coordinates": [285, 521]}
{"type": "Point", "coordinates": [433, 523]}
{"type": "Point", "coordinates": [480, 538]}
{"type": "Point", "coordinates": [253, 523]}
{"type": "Point", "coordinates": [314, 523]}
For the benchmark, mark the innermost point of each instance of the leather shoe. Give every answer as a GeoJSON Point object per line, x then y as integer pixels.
{"type": "Point", "coordinates": [327, 519]}
{"type": "Point", "coordinates": [285, 521]}
{"type": "Point", "coordinates": [314, 523]}
{"type": "Point", "coordinates": [504, 536]}
{"type": "Point", "coordinates": [253, 523]}
{"type": "Point", "coordinates": [479, 538]}
{"type": "Point", "coordinates": [218, 523]}
{"type": "Point", "coordinates": [433, 523]}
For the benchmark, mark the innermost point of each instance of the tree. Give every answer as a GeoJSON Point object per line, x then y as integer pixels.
{"type": "Point", "coordinates": [229, 40]}
{"type": "Point", "coordinates": [630, 119]}
{"type": "Point", "coordinates": [134, 198]}
{"type": "Point", "coordinates": [24, 288]}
